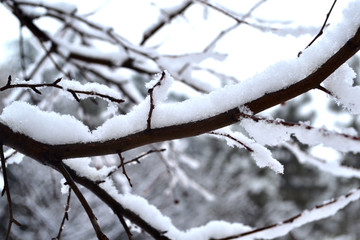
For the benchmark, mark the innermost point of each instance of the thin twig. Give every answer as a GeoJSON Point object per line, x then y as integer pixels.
{"type": "Point", "coordinates": [66, 215]}
{"type": "Point", "coordinates": [123, 168]}
{"type": "Point", "coordinates": [152, 105]}
{"type": "Point", "coordinates": [321, 29]}
{"type": "Point", "coordinates": [321, 88]}
{"type": "Point", "coordinates": [55, 84]}
{"type": "Point", "coordinates": [84, 203]}
{"type": "Point", "coordinates": [136, 159]}
{"type": "Point", "coordinates": [7, 190]}
{"type": "Point", "coordinates": [233, 139]}
{"type": "Point", "coordinates": [155, 28]}
{"type": "Point", "coordinates": [125, 226]}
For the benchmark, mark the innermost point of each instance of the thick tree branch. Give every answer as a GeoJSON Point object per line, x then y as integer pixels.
{"type": "Point", "coordinates": [41, 151]}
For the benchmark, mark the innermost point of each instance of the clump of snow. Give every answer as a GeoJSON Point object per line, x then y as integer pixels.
{"type": "Point", "coordinates": [153, 216]}
{"type": "Point", "coordinates": [261, 155]}
{"type": "Point", "coordinates": [64, 186]}
{"type": "Point", "coordinates": [160, 84]}
{"type": "Point", "coordinates": [333, 167]}
{"type": "Point", "coordinates": [92, 87]}
{"type": "Point", "coordinates": [340, 84]}
{"type": "Point", "coordinates": [277, 133]}
{"type": "Point", "coordinates": [47, 127]}
{"type": "Point", "coordinates": [322, 211]}
{"type": "Point", "coordinates": [13, 157]}
{"type": "Point", "coordinates": [82, 167]}
{"type": "Point", "coordinates": [68, 8]}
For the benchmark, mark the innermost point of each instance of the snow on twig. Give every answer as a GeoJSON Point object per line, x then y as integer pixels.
{"type": "Point", "coordinates": [261, 155]}
{"type": "Point", "coordinates": [332, 167]}
{"type": "Point", "coordinates": [278, 131]}
{"type": "Point", "coordinates": [157, 92]}
{"type": "Point", "coordinates": [320, 211]}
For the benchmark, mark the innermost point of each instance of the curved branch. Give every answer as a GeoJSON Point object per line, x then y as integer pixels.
{"type": "Point", "coordinates": [40, 151]}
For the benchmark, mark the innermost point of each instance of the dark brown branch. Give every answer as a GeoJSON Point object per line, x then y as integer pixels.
{"type": "Point", "coordinates": [321, 88]}
{"type": "Point", "coordinates": [69, 179]}
{"type": "Point", "coordinates": [125, 226]}
{"type": "Point", "coordinates": [38, 150]}
{"type": "Point", "coordinates": [6, 190]}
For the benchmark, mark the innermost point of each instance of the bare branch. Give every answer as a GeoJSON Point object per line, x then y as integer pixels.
{"type": "Point", "coordinates": [322, 27]}
{"type": "Point", "coordinates": [123, 168]}
{"type": "Point", "coordinates": [155, 28]}
{"type": "Point", "coordinates": [136, 159]}
{"type": "Point", "coordinates": [55, 84]}
{"type": "Point", "coordinates": [66, 215]}
{"type": "Point", "coordinates": [152, 105]}
{"type": "Point", "coordinates": [101, 236]}
{"type": "Point", "coordinates": [8, 195]}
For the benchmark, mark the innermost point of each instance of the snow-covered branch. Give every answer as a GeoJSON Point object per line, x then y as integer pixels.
{"type": "Point", "coordinates": [66, 143]}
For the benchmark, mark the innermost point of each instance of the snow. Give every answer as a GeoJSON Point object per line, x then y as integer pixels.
{"type": "Point", "coordinates": [261, 155]}
{"type": "Point", "coordinates": [48, 127]}
{"type": "Point", "coordinates": [13, 157]}
{"type": "Point", "coordinates": [88, 87]}
{"type": "Point", "coordinates": [222, 229]}
{"type": "Point", "coordinates": [324, 210]}
{"type": "Point", "coordinates": [152, 215]}
{"type": "Point", "coordinates": [83, 169]}
{"type": "Point", "coordinates": [277, 133]}
{"type": "Point", "coordinates": [332, 167]}
{"type": "Point", "coordinates": [160, 85]}
{"type": "Point", "coordinates": [344, 92]}
{"type": "Point", "coordinates": [113, 57]}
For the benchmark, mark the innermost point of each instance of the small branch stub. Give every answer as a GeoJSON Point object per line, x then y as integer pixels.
{"type": "Point", "coordinates": [151, 95]}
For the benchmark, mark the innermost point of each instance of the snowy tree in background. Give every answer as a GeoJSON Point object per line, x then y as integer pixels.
{"type": "Point", "coordinates": [156, 120]}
